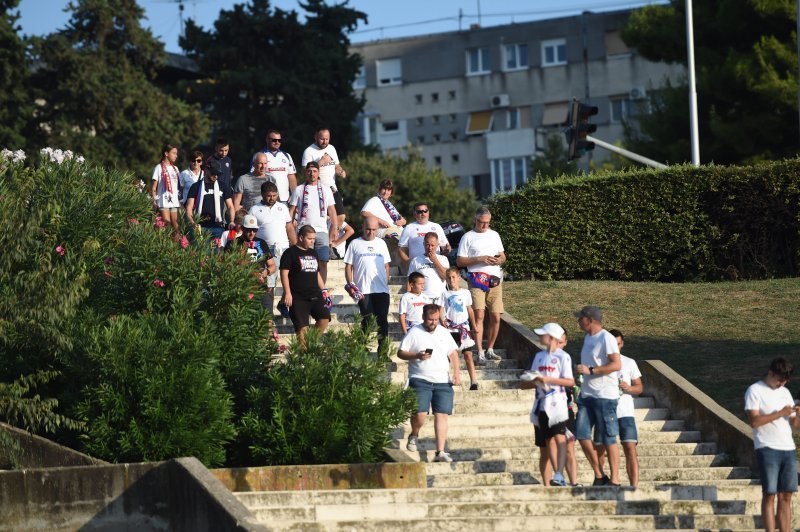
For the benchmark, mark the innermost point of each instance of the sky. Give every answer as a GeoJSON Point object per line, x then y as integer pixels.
{"type": "Point", "coordinates": [386, 19]}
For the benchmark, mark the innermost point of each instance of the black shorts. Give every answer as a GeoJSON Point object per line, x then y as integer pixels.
{"type": "Point", "coordinates": [544, 432]}
{"type": "Point", "coordinates": [570, 422]}
{"type": "Point", "coordinates": [337, 200]}
{"type": "Point", "coordinates": [302, 308]}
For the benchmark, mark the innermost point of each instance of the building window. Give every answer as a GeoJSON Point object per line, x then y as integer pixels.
{"type": "Point", "coordinates": [361, 78]}
{"type": "Point", "coordinates": [624, 109]}
{"type": "Point", "coordinates": [437, 160]}
{"type": "Point", "coordinates": [421, 139]}
{"type": "Point", "coordinates": [437, 137]}
{"type": "Point", "coordinates": [390, 127]}
{"type": "Point", "coordinates": [508, 174]}
{"type": "Point", "coordinates": [615, 46]}
{"type": "Point", "coordinates": [453, 135]}
{"type": "Point", "coordinates": [555, 114]}
{"type": "Point", "coordinates": [477, 61]}
{"type": "Point", "coordinates": [417, 98]}
{"type": "Point", "coordinates": [451, 95]}
{"type": "Point", "coordinates": [479, 122]}
{"type": "Point", "coordinates": [515, 57]}
{"type": "Point", "coordinates": [419, 121]}
{"type": "Point", "coordinates": [452, 117]}
{"type": "Point", "coordinates": [435, 119]}
{"type": "Point", "coordinates": [454, 158]}
{"type": "Point", "coordinates": [390, 71]}
{"type": "Point", "coordinates": [554, 52]}
{"type": "Point", "coordinates": [435, 97]}
{"type": "Point", "coordinates": [512, 118]}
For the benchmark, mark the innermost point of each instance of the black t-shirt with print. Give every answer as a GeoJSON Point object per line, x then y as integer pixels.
{"type": "Point", "coordinates": [257, 249]}
{"type": "Point", "coordinates": [303, 267]}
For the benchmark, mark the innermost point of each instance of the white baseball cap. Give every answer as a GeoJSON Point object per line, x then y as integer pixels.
{"type": "Point", "coordinates": [553, 329]}
{"type": "Point", "coordinates": [250, 222]}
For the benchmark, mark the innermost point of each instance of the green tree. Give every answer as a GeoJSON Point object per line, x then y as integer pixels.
{"type": "Point", "coordinates": [96, 79]}
{"type": "Point", "coordinates": [269, 70]}
{"type": "Point", "coordinates": [746, 69]}
{"type": "Point", "coordinates": [15, 104]}
{"type": "Point", "coordinates": [551, 161]}
{"type": "Point", "coordinates": [413, 182]}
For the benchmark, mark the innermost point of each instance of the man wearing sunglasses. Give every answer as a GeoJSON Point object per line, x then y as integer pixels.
{"type": "Point", "coordinates": [411, 244]}
{"type": "Point", "coordinates": [280, 166]}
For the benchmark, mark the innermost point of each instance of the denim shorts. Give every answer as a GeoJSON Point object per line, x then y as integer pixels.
{"type": "Point", "coordinates": [438, 395]}
{"type": "Point", "coordinates": [627, 430]}
{"type": "Point", "coordinates": [322, 246]}
{"type": "Point", "coordinates": [778, 470]}
{"type": "Point", "coordinates": [600, 414]}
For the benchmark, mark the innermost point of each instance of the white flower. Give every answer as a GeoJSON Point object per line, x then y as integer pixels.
{"type": "Point", "coordinates": [14, 156]}
{"type": "Point", "coordinates": [80, 159]}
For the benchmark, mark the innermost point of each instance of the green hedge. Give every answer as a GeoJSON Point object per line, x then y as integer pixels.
{"type": "Point", "coordinates": [678, 224]}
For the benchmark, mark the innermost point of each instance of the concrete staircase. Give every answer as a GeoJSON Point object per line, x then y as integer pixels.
{"type": "Point", "coordinates": [493, 482]}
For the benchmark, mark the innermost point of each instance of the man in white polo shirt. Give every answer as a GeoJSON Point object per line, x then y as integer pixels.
{"type": "Point", "coordinates": [275, 228]}
{"type": "Point", "coordinates": [312, 204]}
{"type": "Point", "coordinates": [411, 239]}
{"type": "Point", "coordinates": [280, 166]}
{"type": "Point", "coordinates": [431, 353]}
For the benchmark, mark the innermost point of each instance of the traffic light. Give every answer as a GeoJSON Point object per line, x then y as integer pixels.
{"type": "Point", "coordinates": [577, 129]}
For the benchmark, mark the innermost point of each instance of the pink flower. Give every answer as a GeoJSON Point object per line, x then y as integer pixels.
{"type": "Point", "coordinates": [251, 245]}
{"type": "Point", "coordinates": [250, 296]}
{"type": "Point", "coordinates": [216, 242]}
{"type": "Point", "coordinates": [158, 283]}
{"type": "Point", "coordinates": [160, 222]}
{"type": "Point", "coordinates": [275, 335]}
{"type": "Point", "coordinates": [184, 242]}
{"type": "Point", "coordinates": [133, 221]}
{"type": "Point", "coordinates": [107, 273]}
{"type": "Point", "coordinates": [281, 349]}
{"type": "Point", "coordinates": [109, 260]}
{"type": "Point", "coordinates": [60, 250]}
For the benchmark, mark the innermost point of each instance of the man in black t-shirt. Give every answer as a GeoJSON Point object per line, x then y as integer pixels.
{"type": "Point", "coordinates": [302, 284]}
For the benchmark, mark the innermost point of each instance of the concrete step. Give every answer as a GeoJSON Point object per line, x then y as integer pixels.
{"type": "Point", "coordinates": [523, 523]}
{"type": "Point", "coordinates": [585, 476]}
{"type": "Point", "coordinates": [398, 365]}
{"type": "Point", "coordinates": [499, 418]}
{"type": "Point", "coordinates": [468, 403]}
{"type": "Point", "coordinates": [522, 429]}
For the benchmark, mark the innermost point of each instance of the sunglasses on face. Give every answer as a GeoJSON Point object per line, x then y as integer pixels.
{"type": "Point", "coordinates": [422, 211]}
{"type": "Point", "coordinates": [275, 140]}
{"type": "Point", "coordinates": [246, 229]}
{"type": "Point", "coordinates": [198, 161]}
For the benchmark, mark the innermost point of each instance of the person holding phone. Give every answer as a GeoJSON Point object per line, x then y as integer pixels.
{"type": "Point", "coordinates": [431, 353]}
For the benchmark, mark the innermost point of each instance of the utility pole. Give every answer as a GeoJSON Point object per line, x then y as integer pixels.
{"type": "Point", "coordinates": [695, 134]}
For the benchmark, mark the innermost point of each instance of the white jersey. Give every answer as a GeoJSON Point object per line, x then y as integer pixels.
{"type": "Point", "coordinates": [375, 207]}
{"type": "Point", "coordinates": [557, 364]}
{"type": "Point", "coordinates": [456, 304]}
{"type": "Point", "coordinates": [474, 244]}
{"type": "Point", "coordinates": [777, 434]}
{"type": "Point", "coordinates": [411, 305]}
{"type": "Point", "coordinates": [369, 259]}
{"type": "Point", "coordinates": [272, 223]}
{"type": "Point", "coordinates": [628, 373]}
{"type": "Point", "coordinates": [413, 237]}
{"type": "Point", "coordinates": [316, 214]}
{"type": "Point", "coordinates": [595, 353]}
{"type": "Point", "coordinates": [434, 285]}
{"type": "Point", "coordinates": [327, 171]}
{"type": "Point", "coordinates": [165, 199]}
{"type": "Point", "coordinates": [279, 166]}
{"type": "Point", "coordinates": [437, 368]}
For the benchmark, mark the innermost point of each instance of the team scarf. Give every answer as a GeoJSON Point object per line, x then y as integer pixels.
{"type": "Point", "coordinates": [165, 177]}
{"type": "Point", "coordinates": [484, 281]}
{"type": "Point", "coordinates": [389, 208]}
{"type": "Point", "coordinates": [201, 194]}
{"type": "Point", "coordinates": [304, 204]}
{"type": "Point", "coordinates": [462, 328]}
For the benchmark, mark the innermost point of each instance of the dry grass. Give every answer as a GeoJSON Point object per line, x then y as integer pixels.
{"type": "Point", "coordinates": [720, 336]}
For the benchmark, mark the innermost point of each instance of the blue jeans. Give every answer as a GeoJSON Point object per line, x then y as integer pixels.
{"type": "Point", "coordinates": [600, 414]}
{"type": "Point", "coordinates": [778, 470]}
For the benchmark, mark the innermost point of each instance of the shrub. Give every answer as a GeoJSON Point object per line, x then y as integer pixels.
{"type": "Point", "coordinates": [331, 403]}
{"type": "Point", "coordinates": [682, 223]}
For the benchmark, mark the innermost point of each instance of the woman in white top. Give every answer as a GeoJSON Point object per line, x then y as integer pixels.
{"type": "Point", "coordinates": [191, 175]}
{"type": "Point", "coordinates": [164, 188]}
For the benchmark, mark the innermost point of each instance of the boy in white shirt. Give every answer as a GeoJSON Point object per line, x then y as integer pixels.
{"type": "Point", "coordinates": [459, 319]}
{"type": "Point", "coordinates": [550, 372]}
{"type": "Point", "coordinates": [772, 415]}
{"type": "Point", "coordinates": [411, 302]}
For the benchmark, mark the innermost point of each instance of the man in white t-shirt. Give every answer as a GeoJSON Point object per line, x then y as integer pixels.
{"type": "Point", "coordinates": [411, 239]}
{"type": "Point", "coordinates": [280, 166]}
{"type": "Point", "coordinates": [390, 221]}
{"type": "Point", "coordinates": [275, 228]}
{"type": "Point", "coordinates": [312, 204]}
{"type": "Point", "coordinates": [772, 415]}
{"type": "Point", "coordinates": [481, 253]}
{"type": "Point", "coordinates": [431, 352]}
{"type": "Point", "coordinates": [367, 266]}
{"type": "Point", "coordinates": [630, 384]}
{"type": "Point", "coordinates": [433, 267]}
{"type": "Point", "coordinates": [600, 362]}
{"type": "Point", "coordinates": [323, 153]}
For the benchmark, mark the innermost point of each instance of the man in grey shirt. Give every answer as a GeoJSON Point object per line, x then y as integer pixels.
{"type": "Point", "coordinates": [247, 191]}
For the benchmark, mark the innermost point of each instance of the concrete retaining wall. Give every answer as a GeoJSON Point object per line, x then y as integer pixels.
{"type": "Point", "coordinates": [324, 477]}
{"type": "Point", "coordinates": [179, 494]}
{"type": "Point", "coordinates": [34, 451]}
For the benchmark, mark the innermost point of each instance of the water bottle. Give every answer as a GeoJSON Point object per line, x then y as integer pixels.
{"type": "Point", "coordinates": [621, 391]}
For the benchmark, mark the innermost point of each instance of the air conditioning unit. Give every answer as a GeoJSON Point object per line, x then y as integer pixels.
{"type": "Point", "coordinates": [637, 93]}
{"type": "Point", "coordinates": [500, 100]}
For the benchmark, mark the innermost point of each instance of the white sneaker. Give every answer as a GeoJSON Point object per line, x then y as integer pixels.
{"type": "Point", "coordinates": [466, 344]}
{"type": "Point", "coordinates": [412, 444]}
{"type": "Point", "coordinates": [442, 456]}
{"type": "Point", "coordinates": [490, 355]}
{"type": "Point", "coordinates": [481, 361]}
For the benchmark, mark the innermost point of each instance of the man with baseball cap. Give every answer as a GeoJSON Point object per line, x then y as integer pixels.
{"type": "Point", "coordinates": [254, 248]}
{"type": "Point", "coordinates": [600, 362]}
{"type": "Point", "coordinates": [207, 202]}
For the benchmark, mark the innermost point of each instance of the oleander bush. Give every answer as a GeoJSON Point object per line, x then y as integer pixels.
{"type": "Point", "coordinates": [678, 224]}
